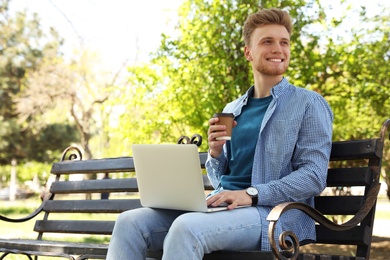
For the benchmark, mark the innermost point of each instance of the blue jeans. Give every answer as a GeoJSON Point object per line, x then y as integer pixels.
{"type": "Point", "coordinates": [183, 235]}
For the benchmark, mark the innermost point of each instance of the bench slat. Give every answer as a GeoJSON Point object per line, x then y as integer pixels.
{"type": "Point", "coordinates": [40, 247]}
{"type": "Point", "coordinates": [108, 185]}
{"type": "Point", "coordinates": [54, 247]}
{"type": "Point", "coordinates": [93, 227]}
{"type": "Point", "coordinates": [207, 183]}
{"type": "Point", "coordinates": [336, 177]}
{"type": "Point", "coordinates": [91, 206]}
{"type": "Point", "coordinates": [95, 186]}
{"type": "Point", "coordinates": [356, 236]}
{"type": "Point", "coordinates": [338, 205]}
{"type": "Point", "coordinates": [234, 255]}
{"type": "Point", "coordinates": [226, 255]}
{"type": "Point", "coordinates": [349, 177]}
{"type": "Point", "coordinates": [120, 164]}
{"type": "Point", "coordinates": [353, 150]}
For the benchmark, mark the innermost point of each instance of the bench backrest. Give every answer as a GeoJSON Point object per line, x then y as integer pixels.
{"type": "Point", "coordinates": [354, 168]}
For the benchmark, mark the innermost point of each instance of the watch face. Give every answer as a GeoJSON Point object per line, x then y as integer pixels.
{"type": "Point", "coordinates": [252, 191]}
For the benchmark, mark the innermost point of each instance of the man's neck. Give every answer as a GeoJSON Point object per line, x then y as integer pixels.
{"type": "Point", "coordinates": [264, 84]}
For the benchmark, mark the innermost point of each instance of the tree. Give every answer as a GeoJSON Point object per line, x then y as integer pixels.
{"type": "Point", "coordinates": [75, 87]}
{"type": "Point", "coordinates": [23, 45]}
{"type": "Point", "coordinates": [350, 69]}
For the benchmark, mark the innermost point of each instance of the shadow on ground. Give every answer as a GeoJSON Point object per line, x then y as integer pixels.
{"type": "Point", "coordinates": [380, 249]}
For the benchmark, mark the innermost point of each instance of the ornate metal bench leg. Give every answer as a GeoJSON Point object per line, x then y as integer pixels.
{"type": "Point", "coordinates": [288, 243]}
{"type": "Point", "coordinates": [7, 253]}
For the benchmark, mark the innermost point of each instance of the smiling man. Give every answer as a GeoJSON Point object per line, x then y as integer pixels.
{"type": "Point", "coordinates": [282, 140]}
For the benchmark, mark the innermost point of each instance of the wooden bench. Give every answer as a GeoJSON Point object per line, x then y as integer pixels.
{"type": "Point", "coordinates": [353, 164]}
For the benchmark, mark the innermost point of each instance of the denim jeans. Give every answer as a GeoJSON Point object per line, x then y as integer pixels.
{"type": "Point", "coordinates": [183, 235]}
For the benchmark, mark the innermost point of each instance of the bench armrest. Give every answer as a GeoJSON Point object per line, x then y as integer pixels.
{"type": "Point", "coordinates": [293, 247]}
{"type": "Point", "coordinates": [70, 153]}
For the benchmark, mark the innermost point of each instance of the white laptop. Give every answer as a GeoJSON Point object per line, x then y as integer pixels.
{"type": "Point", "coordinates": [169, 176]}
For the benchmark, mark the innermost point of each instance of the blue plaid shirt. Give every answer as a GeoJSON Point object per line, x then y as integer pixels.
{"type": "Point", "coordinates": [291, 157]}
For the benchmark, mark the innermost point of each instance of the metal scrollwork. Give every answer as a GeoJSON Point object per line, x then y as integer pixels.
{"type": "Point", "coordinates": [288, 243]}
{"type": "Point", "coordinates": [71, 153]}
{"type": "Point", "coordinates": [195, 139]}
{"type": "Point", "coordinates": [183, 140]}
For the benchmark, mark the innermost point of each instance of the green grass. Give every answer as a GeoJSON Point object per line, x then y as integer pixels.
{"type": "Point", "coordinates": [22, 208]}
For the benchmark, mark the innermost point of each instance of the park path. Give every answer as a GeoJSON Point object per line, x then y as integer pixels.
{"type": "Point", "coordinates": [382, 222]}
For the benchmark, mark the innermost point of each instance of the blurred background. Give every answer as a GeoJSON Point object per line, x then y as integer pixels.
{"type": "Point", "coordinates": [104, 75]}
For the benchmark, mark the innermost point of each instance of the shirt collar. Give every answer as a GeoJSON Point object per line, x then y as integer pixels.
{"type": "Point", "coordinates": [276, 91]}
{"type": "Point", "coordinates": [279, 88]}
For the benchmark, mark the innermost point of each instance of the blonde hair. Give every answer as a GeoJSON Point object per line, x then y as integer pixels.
{"type": "Point", "coordinates": [263, 17]}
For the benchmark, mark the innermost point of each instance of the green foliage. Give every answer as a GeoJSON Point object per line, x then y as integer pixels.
{"type": "Point", "coordinates": [194, 75]}
{"type": "Point", "coordinates": [26, 172]}
{"type": "Point", "coordinates": [49, 143]}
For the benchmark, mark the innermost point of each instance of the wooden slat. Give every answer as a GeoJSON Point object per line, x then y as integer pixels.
{"type": "Point", "coordinates": [235, 255]}
{"type": "Point", "coordinates": [70, 248]}
{"type": "Point", "coordinates": [307, 256]}
{"type": "Point", "coordinates": [207, 183]}
{"type": "Point", "coordinates": [203, 158]}
{"type": "Point", "coordinates": [93, 227]}
{"type": "Point", "coordinates": [349, 177]}
{"type": "Point", "coordinates": [110, 185]}
{"type": "Point", "coordinates": [91, 206]}
{"type": "Point", "coordinates": [53, 248]}
{"type": "Point", "coordinates": [338, 205]}
{"type": "Point", "coordinates": [355, 236]}
{"type": "Point", "coordinates": [226, 255]}
{"type": "Point", "coordinates": [120, 164]}
{"type": "Point", "coordinates": [336, 177]}
{"type": "Point", "coordinates": [95, 186]}
{"type": "Point", "coordinates": [352, 150]}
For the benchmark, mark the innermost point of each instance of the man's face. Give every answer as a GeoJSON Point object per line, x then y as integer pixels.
{"type": "Point", "coordinates": [269, 50]}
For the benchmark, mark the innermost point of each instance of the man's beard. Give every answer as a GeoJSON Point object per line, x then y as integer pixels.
{"type": "Point", "coordinates": [269, 71]}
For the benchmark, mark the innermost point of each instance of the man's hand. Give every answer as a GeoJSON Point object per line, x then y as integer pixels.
{"type": "Point", "coordinates": [233, 198]}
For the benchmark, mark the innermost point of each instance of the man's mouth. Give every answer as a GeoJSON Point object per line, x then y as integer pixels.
{"type": "Point", "coordinates": [275, 60]}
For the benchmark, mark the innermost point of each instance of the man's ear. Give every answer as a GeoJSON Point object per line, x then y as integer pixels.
{"type": "Point", "coordinates": [247, 53]}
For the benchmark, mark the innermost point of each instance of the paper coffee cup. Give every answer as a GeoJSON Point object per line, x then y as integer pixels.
{"type": "Point", "coordinates": [226, 119]}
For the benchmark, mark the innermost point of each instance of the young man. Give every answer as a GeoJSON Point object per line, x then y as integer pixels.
{"type": "Point", "coordinates": [282, 141]}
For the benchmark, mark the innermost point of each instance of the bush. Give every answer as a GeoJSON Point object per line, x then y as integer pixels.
{"type": "Point", "coordinates": [25, 172]}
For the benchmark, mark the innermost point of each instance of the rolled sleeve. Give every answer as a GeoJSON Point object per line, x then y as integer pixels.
{"type": "Point", "coordinates": [215, 168]}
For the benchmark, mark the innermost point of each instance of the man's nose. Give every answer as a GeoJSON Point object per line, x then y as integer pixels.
{"type": "Point", "coordinates": [276, 49]}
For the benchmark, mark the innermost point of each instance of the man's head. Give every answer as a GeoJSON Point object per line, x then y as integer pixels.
{"type": "Point", "coordinates": [264, 17]}
{"type": "Point", "coordinates": [267, 42]}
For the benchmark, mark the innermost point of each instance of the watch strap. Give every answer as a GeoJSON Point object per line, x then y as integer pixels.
{"type": "Point", "coordinates": [255, 200]}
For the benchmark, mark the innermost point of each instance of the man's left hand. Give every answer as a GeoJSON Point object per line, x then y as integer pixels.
{"type": "Point", "coordinates": [234, 198]}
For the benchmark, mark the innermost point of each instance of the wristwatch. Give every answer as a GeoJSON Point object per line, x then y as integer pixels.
{"type": "Point", "coordinates": [253, 193]}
